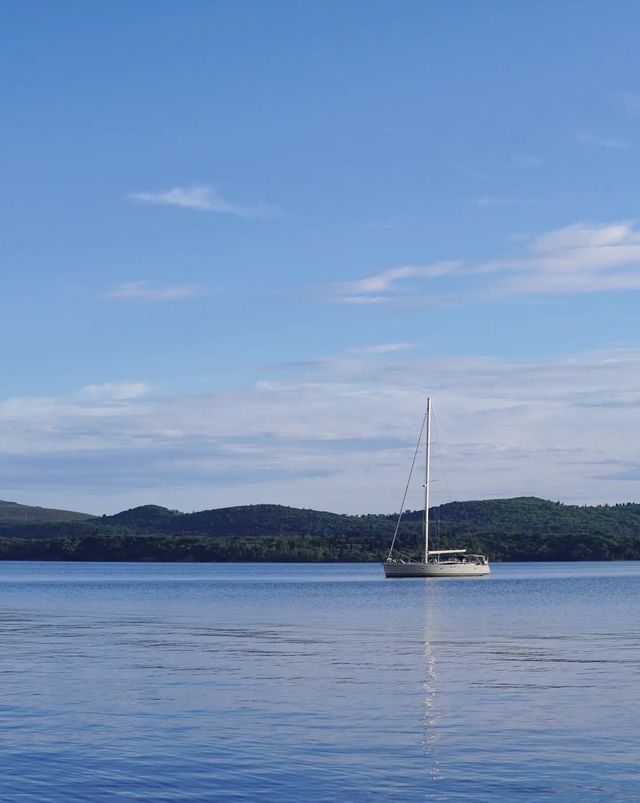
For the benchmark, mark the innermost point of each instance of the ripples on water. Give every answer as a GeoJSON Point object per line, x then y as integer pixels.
{"type": "Point", "coordinates": [321, 683]}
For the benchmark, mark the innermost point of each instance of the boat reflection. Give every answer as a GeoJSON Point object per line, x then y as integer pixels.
{"type": "Point", "coordinates": [432, 724]}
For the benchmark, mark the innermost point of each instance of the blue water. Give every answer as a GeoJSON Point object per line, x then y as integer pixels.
{"type": "Point", "coordinates": [249, 682]}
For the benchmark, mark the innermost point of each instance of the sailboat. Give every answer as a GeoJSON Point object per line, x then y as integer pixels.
{"type": "Point", "coordinates": [439, 562]}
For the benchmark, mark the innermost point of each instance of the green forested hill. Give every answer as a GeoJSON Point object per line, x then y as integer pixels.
{"type": "Point", "coordinates": [524, 528]}
{"type": "Point", "coordinates": [28, 514]}
{"type": "Point", "coordinates": [527, 528]}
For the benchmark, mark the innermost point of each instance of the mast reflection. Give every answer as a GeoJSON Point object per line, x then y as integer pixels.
{"type": "Point", "coordinates": [431, 713]}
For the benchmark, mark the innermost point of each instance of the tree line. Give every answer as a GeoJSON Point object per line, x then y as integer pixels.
{"type": "Point", "coordinates": [522, 529]}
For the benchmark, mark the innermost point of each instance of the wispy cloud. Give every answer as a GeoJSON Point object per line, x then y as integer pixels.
{"type": "Point", "coordinates": [586, 235]}
{"type": "Point", "coordinates": [487, 201]}
{"type": "Point", "coordinates": [336, 435]}
{"type": "Point", "coordinates": [490, 200]}
{"type": "Point", "coordinates": [116, 391]}
{"type": "Point", "coordinates": [353, 361]}
{"type": "Point", "coordinates": [145, 291]}
{"type": "Point", "coordinates": [203, 198]}
{"type": "Point", "coordinates": [608, 143]}
{"type": "Point", "coordinates": [381, 287]}
{"type": "Point", "coordinates": [382, 348]}
{"type": "Point", "coordinates": [580, 258]}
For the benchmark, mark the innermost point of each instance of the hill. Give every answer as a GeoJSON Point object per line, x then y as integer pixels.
{"type": "Point", "coordinates": [524, 528]}
{"type": "Point", "coordinates": [243, 520]}
{"type": "Point", "coordinates": [27, 514]}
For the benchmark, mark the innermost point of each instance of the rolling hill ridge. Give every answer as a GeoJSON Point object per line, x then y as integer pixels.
{"type": "Point", "coordinates": [13, 512]}
{"type": "Point", "coordinates": [523, 528]}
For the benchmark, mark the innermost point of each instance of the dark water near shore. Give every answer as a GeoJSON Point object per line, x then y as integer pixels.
{"type": "Point", "coordinates": [250, 682]}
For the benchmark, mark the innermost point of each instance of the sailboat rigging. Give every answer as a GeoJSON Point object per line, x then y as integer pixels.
{"type": "Point", "coordinates": [439, 562]}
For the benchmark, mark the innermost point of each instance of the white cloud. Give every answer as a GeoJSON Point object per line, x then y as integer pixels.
{"type": "Point", "coordinates": [382, 348]}
{"type": "Point", "coordinates": [338, 436]}
{"type": "Point", "coordinates": [145, 291]}
{"type": "Point", "coordinates": [203, 198]}
{"type": "Point", "coordinates": [580, 258]}
{"type": "Point", "coordinates": [490, 200]}
{"type": "Point", "coordinates": [382, 281]}
{"type": "Point", "coordinates": [583, 235]}
{"type": "Point", "coordinates": [116, 391]}
{"type": "Point", "coordinates": [368, 290]}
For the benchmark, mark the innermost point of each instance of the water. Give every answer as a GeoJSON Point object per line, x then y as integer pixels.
{"type": "Point", "coordinates": [320, 683]}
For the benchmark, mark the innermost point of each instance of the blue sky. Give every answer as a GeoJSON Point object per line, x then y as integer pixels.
{"type": "Point", "coordinates": [242, 241]}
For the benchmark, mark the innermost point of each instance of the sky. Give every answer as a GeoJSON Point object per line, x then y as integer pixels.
{"type": "Point", "coordinates": [241, 243]}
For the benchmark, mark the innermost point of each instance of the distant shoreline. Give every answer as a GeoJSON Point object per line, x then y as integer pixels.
{"type": "Point", "coordinates": [522, 529]}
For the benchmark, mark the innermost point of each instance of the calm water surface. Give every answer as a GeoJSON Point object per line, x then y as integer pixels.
{"type": "Point", "coordinates": [249, 682]}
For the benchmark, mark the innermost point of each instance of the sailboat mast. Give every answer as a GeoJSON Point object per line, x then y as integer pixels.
{"type": "Point", "coordinates": [426, 483]}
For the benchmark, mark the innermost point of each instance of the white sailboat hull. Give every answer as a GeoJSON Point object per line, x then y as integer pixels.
{"type": "Point", "coordinates": [435, 569]}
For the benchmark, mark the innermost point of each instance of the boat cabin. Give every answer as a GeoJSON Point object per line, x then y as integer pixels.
{"type": "Point", "coordinates": [455, 556]}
